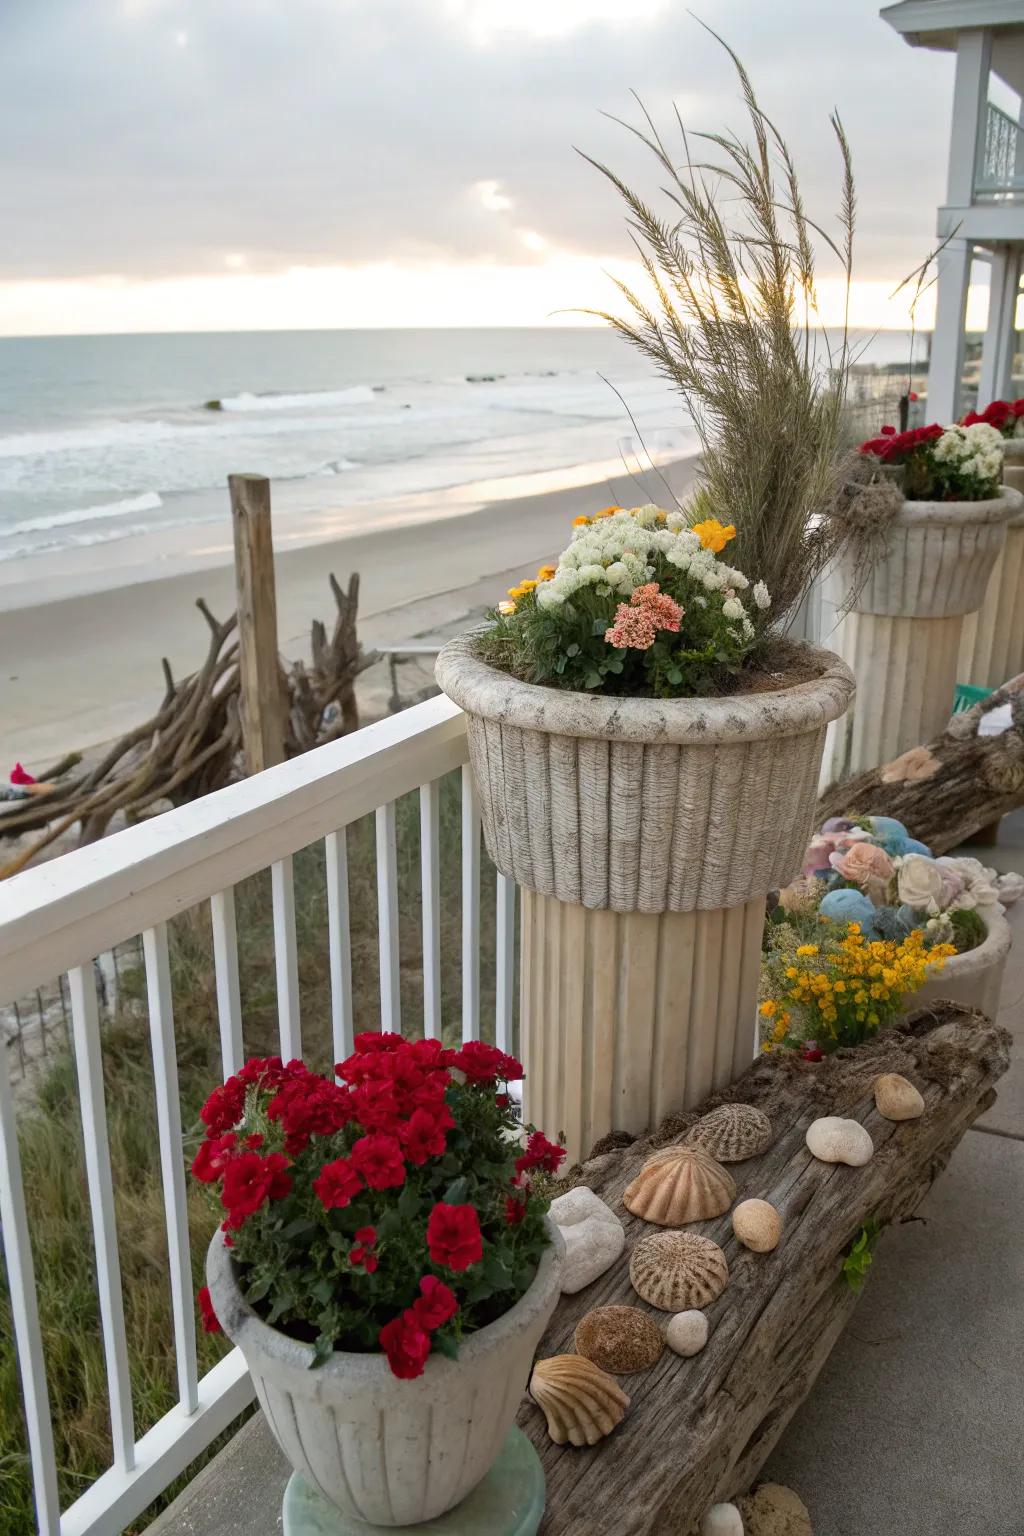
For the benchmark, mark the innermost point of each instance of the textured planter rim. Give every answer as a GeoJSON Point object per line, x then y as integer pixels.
{"type": "Point", "coordinates": [994, 947]}
{"type": "Point", "coordinates": [994, 509]}
{"type": "Point", "coordinates": [360, 1370]}
{"type": "Point", "coordinates": [484, 690]}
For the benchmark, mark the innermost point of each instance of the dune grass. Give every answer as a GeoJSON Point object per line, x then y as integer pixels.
{"type": "Point", "coordinates": [51, 1136]}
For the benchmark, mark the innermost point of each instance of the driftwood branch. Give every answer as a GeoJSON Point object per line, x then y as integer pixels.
{"type": "Point", "coordinates": [949, 788]}
{"type": "Point", "coordinates": [699, 1430]}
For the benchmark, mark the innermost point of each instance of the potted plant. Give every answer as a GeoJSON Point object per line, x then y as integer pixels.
{"type": "Point", "coordinates": [902, 631]}
{"type": "Point", "coordinates": [383, 1263]}
{"type": "Point", "coordinates": [645, 745]}
{"type": "Point", "coordinates": [992, 646]}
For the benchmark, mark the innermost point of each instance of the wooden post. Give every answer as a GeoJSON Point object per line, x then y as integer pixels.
{"type": "Point", "coordinates": [262, 714]}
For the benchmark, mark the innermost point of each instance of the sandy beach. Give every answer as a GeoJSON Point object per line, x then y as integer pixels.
{"type": "Point", "coordinates": [81, 643]}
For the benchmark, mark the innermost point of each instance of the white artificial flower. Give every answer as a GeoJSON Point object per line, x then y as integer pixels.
{"type": "Point", "coordinates": [701, 602]}
{"type": "Point", "coordinates": [618, 575]}
{"type": "Point", "coordinates": [646, 516]}
{"type": "Point", "coordinates": [761, 598]}
{"type": "Point", "coordinates": [590, 575]}
{"type": "Point", "coordinates": [676, 521]}
{"type": "Point", "coordinates": [748, 628]}
{"type": "Point", "coordinates": [712, 579]}
{"type": "Point", "coordinates": [920, 883]}
{"type": "Point", "coordinates": [732, 608]}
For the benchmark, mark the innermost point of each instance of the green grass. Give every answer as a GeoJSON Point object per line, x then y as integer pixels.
{"type": "Point", "coordinates": [50, 1134]}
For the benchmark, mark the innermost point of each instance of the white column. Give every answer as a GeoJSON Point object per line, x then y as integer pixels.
{"type": "Point", "coordinates": [970, 104]}
{"type": "Point", "coordinates": [1000, 333]}
{"type": "Point", "coordinates": [946, 362]}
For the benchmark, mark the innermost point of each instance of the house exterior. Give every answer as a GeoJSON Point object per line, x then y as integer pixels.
{"type": "Point", "coordinates": [983, 214]}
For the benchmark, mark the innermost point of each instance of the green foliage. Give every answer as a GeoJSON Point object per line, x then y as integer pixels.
{"type": "Point", "coordinates": [968, 929]}
{"type": "Point", "coordinates": [861, 1254]}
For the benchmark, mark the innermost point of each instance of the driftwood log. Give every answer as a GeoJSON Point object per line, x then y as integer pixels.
{"type": "Point", "coordinates": [947, 790]}
{"type": "Point", "coordinates": [193, 743]}
{"type": "Point", "coordinates": [698, 1430]}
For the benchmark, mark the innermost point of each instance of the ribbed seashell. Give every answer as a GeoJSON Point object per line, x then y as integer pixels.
{"type": "Point", "coordinates": [580, 1402]}
{"type": "Point", "coordinates": [680, 1184]}
{"type": "Point", "coordinates": [678, 1271]}
{"type": "Point", "coordinates": [733, 1132]}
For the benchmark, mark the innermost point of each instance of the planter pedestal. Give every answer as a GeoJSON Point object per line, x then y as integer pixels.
{"type": "Point", "coordinates": [992, 648]}
{"type": "Point", "coordinates": [629, 1015]}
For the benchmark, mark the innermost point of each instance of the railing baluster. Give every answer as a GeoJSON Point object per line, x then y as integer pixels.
{"type": "Point", "coordinates": [505, 955]}
{"type": "Point", "coordinates": [225, 965]}
{"type": "Point", "coordinates": [387, 920]}
{"type": "Point", "coordinates": [89, 1065]}
{"type": "Point", "coordinates": [286, 958]}
{"type": "Point", "coordinates": [172, 1169]}
{"type": "Point", "coordinates": [339, 940]}
{"type": "Point", "coordinates": [470, 908]}
{"type": "Point", "coordinates": [21, 1284]}
{"type": "Point", "coordinates": [430, 881]}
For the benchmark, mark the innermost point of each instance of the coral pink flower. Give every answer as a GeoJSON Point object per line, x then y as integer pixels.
{"type": "Point", "coordinates": [864, 863]}
{"type": "Point", "coordinates": [638, 621]}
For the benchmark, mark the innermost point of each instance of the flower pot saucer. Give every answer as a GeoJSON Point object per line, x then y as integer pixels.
{"type": "Point", "coordinates": [509, 1502]}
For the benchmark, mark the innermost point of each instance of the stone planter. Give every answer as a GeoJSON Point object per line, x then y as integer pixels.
{"type": "Point", "coordinates": [902, 638]}
{"type": "Point", "coordinates": [992, 645]}
{"type": "Point", "coordinates": [974, 979]}
{"type": "Point", "coordinates": [384, 1451]}
{"type": "Point", "coordinates": [646, 834]}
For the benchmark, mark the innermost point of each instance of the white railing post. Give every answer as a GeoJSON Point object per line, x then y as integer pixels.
{"type": "Point", "coordinates": [339, 941]}
{"type": "Point", "coordinates": [430, 885]}
{"type": "Point", "coordinates": [470, 908]}
{"type": "Point", "coordinates": [505, 953]}
{"type": "Point", "coordinates": [387, 920]}
{"type": "Point", "coordinates": [286, 958]}
{"type": "Point", "coordinates": [225, 965]}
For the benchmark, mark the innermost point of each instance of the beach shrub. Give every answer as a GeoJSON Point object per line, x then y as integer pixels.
{"type": "Point", "coordinates": [960, 463]}
{"type": "Point", "coordinates": [639, 603]}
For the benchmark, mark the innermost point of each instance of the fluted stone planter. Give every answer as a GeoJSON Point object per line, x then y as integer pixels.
{"type": "Point", "coordinates": [902, 639]}
{"type": "Point", "coordinates": [992, 645]}
{"type": "Point", "coordinates": [384, 1451]}
{"type": "Point", "coordinates": [974, 979]}
{"type": "Point", "coordinates": [646, 834]}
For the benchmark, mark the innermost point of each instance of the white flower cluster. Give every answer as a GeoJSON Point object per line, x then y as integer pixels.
{"type": "Point", "coordinates": [975, 451]}
{"type": "Point", "coordinates": [617, 554]}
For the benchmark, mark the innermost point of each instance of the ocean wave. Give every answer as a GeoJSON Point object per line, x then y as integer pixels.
{"type": "Point", "coordinates": [358, 394]}
{"type": "Point", "coordinates": [147, 502]}
{"type": "Point", "coordinates": [75, 541]}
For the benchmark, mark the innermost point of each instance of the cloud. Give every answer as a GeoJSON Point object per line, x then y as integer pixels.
{"type": "Point", "coordinates": [155, 138]}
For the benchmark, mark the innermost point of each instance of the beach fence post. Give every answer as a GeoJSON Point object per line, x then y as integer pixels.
{"type": "Point", "coordinates": [259, 667]}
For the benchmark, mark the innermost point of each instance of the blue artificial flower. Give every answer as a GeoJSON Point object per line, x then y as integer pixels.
{"type": "Point", "coordinates": [847, 906]}
{"type": "Point", "coordinates": [887, 826]}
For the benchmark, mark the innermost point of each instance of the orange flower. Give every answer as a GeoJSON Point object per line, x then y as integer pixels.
{"type": "Point", "coordinates": [713, 535]}
{"type": "Point", "coordinates": [546, 572]}
{"type": "Point", "coordinates": [581, 522]}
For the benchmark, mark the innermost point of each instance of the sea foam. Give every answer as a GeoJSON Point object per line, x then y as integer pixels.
{"type": "Point", "coordinates": [357, 394]}
{"type": "Point", "coordinates": [147, 502]}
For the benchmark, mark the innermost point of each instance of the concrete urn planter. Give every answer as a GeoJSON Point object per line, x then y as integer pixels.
{"type": "Point", "coordinates": [902, 638]}
{"type": "Point", "coordinates": [646, 834]}
{"type": "Point", "coordinates": [974, 978]}
{"type": "Point", "coordinates": [992, 645]}
{"type": "Point", "coordinates": [381, 1450]}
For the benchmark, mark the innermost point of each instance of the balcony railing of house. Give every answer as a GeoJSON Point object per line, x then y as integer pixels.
{"type": "Point", "coordinates": [1000, 172]}
{"type": "Point", "coordinates": [58, 917]}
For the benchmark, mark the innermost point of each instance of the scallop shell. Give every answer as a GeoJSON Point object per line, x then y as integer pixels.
{"type": "Point", "coordinates": [581, 1402]}
{"type": "Point", "coordinates": [733, 1132]}
{"type": "Point", "coordinates": [680, 1184]}
{"type": "Point", "coordinates": [678, 1271]}
{"type": "Point", "coordinates": [619, 1339]}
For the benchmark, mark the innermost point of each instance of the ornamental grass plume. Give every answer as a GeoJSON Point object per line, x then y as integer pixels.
{"type": "Point", "coordinates": [732, 268]}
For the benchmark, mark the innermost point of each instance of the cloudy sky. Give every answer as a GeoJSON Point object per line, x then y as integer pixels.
{"type": "Point", "coordinates": [196, 164]}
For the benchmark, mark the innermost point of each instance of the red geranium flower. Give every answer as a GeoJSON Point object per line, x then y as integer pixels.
{"type": "Point", "coordinates": [379, 1159]}
{"type": "Point", "coordinates": [206, 1312]}
{"type": "Point", "coordinates": [249, 1180]}
{"type": "Point", "coordinates": [406, 1345]}
{"type": "Point", "coordinates": [337, 1184]}
{"type": "Point", "coordinates": [482, 1063]}
{"type": "Point", "coordinates": [435, 1305]}
{"type": "Point", "coordinates": [213, 1156]}
{"type": "Point", "coordinates": [540, 1153]}
{"type": "Point", "coordinates": [425, 1134]}
{"type": "Point", "coordinates": [515, 1210]}
{"type": "Point", "coordinates": [453, 1236]}
{"type": "Point", "coordinates": [223, 1109]}
{"type": "Point", "coordinates": [376, 1106]}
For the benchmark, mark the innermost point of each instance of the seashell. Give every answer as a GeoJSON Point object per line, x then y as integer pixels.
{"type": "Point", "coordinates": [680, 1184]}
{"type": "Point", "coordinates": [733, 1132]}
{"type": "Point", "coordinates": [833, 1140]}
{"type": "Point", "coordinates": [896, 1098]}
{"type": "Point", "coordinates": [757, 1225]}
{"type": "Point", "coordinates": [678, 1270]}
{"type": "Point", "coordinates": [592, 1234]}
{"type": "Point", "coordinates": [722, 1520]}
{"type": "Point", "coordinates": [580, 1402]}
{"type": "Point", "coordinates": [687, 1333]}
{"type": "Point", "coordinates": [619, 1339]}
{"type": "Point", "coordinates": [774, 1510]}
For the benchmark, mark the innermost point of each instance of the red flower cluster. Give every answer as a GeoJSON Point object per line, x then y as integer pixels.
{"type": "Point", "coordinates": [1001, 414]}
{"type": "Point", "coordinates": [453, 1236]}
{"type": "Point", "coordinates": [226, 1104]}
{"type": "Point", "coordinates": [893, 447]}
{"type": "Point", "coordinates": [249, 1180]}
{"type": "Point", "coordinates": [540, 1153]}
{"type": "Point", "coordinates": [361, 1254]}
{"type": "Point", "coordinates": [406, 1340]}
{"type": "Point", "coordinates": [206, 1312]}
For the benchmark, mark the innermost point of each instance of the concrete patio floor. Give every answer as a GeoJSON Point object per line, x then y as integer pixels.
{"type": "Point", "coordinates": [916, 1424]}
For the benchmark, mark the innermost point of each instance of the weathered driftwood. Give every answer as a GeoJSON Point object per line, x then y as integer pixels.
{"type": "Point", "coordinates": [946, 790]}
{"type": "Point", "coordinates": [699, 1429]}
{"type": "Point", "coordinates": [192, 745]}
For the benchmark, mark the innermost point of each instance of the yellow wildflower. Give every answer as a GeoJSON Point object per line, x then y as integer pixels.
{"type": "Point", "coordinates": [515, 592]}
{"type": "Point", "coordinates": [527, 585]}
{"type": "Point", "coordinates": [546, 572]}
{"type": "Point", "coordinates": [769, 1008]}
{"type": "Point", "coordinates": [713, 535]}
{"type": "Point", "coordinates": [506, 608]}
{"type": "Point", "coordinates": [581, 522]}
{"type": "Point", "coordinates": [807, 949]}
{"type": "Point", "coordinates": [607, 512]}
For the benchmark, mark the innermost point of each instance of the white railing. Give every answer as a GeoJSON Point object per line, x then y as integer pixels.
{"type": "Point", "coordinates": [1000, 169]}
{"type": "Point", "coordinates": [58, 917]}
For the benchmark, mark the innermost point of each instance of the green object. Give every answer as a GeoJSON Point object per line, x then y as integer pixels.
{"type": "Point", "coordinates": [858, 1260]}
{"type": "Point", "coordinates": [967, 694]}
{"type": "Point", "coordinates": [509, 1502]}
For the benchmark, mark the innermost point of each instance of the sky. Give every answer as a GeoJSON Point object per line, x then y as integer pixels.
{"type": "Point", "coordinates": [223, 164]}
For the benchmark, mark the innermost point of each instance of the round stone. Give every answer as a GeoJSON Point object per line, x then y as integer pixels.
{"type": "Point", "coordinates": [687, 1333]}
{"type": "Point", "coordinates": [619, 1339]}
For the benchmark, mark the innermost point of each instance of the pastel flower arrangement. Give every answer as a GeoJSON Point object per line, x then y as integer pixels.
{"type": "Point", "coordinates": [958, 463]}
{"type": "Point", "coordinates": [638, 603]}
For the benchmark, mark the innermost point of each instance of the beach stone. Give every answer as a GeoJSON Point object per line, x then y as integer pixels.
{"type": "Point", "coordinates": [773, 1510]}
{"type": "Point", "coordinates": [593, 1236]}
{"type": "Point", "coordinates": [896, 1097]}
{"type": "Point", "coordinates": [757, 1225]}
{"type": "Point", "coordinates": [722, 1520]}
{"type": "Point", "coordinates": [687, 1333]}
{"type": "Point", "coordinates": [834, 1140]}
{"type": "Point", "coordinates": [619, 1339]}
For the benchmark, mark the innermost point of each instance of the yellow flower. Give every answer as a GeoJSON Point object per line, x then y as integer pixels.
{"type": "Point", "coordinates": [713, 535]}
{"type": "Point", "coordinates": [506, 608]}
{"type": "Point", "coordinates": [769, 1008]}
{"type": "Point", "coordinates": [527, 585]}
{"type": "Point", "coordinates": [807, 949]}
{"type": "Point", "coordinates": [607, 512]}
{"type": "Point", "coordinates": [581, 522]}
{"type": "Point", "coordinates": [546, 572]}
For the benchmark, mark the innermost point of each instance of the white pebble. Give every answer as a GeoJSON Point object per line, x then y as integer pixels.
{"type": "Point", "coordinates": [687, 1333]}
{"type": "Point", "coordinates": [722, 1520]}
{"type": "Point", "coordinates": [593, 1235]}
{"type": "Point", "coordinates": [834, 1140]}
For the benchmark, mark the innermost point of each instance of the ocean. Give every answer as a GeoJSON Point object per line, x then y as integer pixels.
{"type": "Point", "coordinates": [105, 438]}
